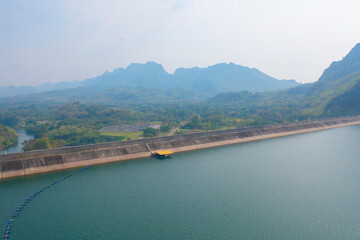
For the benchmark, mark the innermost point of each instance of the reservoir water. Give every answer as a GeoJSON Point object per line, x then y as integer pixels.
{"type": "Point", "coordinates": [23, 136]}
{"type": "Point", "coordinates": [305, 186]}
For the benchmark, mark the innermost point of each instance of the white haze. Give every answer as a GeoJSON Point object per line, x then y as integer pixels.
{"type": "Point", "coordinates": [51, 41]}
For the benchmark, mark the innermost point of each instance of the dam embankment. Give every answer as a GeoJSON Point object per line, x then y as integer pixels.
{"type": "Point", "coordinates": [20, 164]}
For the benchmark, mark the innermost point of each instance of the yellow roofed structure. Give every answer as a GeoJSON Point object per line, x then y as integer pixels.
{"type": "Point", "coordinates": [164, 152]}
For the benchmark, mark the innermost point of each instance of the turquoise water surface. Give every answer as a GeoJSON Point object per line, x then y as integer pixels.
{"type": "Point", "coordinates": [304, 186]}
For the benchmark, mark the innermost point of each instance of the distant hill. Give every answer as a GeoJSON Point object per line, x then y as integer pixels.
{"type": "Point", "coordinates": [195, 81]}
{"type": "Point", "coordinates": [11, 91]}
{"type": "Point", "coordinates": [346, 72]}
{"type": "Point", "coordinates": [337, 92]}
{"type": "Point", "coordinates": [347, 103]}
{"type": "Point", "coordinates": [341, 77]}
{"type": "Point", "coordinates": [228, 77]}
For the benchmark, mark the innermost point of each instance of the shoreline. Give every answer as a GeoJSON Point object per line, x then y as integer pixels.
{"type": "Point", "coordinates": [21, 164]}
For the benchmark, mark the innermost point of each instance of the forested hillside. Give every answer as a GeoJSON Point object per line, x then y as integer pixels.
{"type": "Point", "coordinates": [57, 123]}
{"type": "Point", "coordinates": [8, 137]}
{"type": "Point", "coordinates": [347, 103]}
{"type": "Point", "coordinates": [334, 94]}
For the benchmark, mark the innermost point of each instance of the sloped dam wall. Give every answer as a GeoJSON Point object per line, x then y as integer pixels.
{"type": "Point", "coordinates": [19, 164]}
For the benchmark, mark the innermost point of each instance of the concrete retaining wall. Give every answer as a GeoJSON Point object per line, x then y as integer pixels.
{"type": "Point", "coordinates": [19, 164]}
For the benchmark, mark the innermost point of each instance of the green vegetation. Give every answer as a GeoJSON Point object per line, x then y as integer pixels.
{"type": "Point", "coordinates": [57, 124]}
{"type": "Point", "coordinates": [150, 132]}
{"type": "Point", "coordinates": [42, 143]}
{"type": "Point", "coordinates": [68, 135]}
{"type": "Point", "coordinates": [179, 132]}
{"type": "Point", "coordinates": [8, 137]}
{"type": "Point", "coordinates": [124, 135]}
{"type": "Point", "coordinates": [187, 131]}
{"type": "Point", "coordinates": [211, 122]}
{"type": "Point", "coordinates": [165, 128]}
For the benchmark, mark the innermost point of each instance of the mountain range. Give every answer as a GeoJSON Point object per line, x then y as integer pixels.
{"type": "Point", "coordinates": [195, 81]}
{"type": "Point", "coordinates": [244, 91]}
{"type": "Point", "coordinates": [337, 92]}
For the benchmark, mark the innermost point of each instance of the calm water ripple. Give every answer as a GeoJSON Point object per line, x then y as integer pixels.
{"type": "Point", "coordinates": [7, 232]}
{"type": "Point", "coordinates": [297, 187]}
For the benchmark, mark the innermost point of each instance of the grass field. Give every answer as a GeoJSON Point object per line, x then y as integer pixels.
{"type": "Point", "coordinates": [186, 131]}
{"type": "Point", "coordinates": [127, 135]}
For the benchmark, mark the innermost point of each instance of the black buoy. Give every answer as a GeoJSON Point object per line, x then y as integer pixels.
{"type": "Point", "coordinates": [25, 203]}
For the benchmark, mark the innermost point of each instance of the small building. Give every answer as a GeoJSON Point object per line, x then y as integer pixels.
{"type": "Point", "coordinates": [162, 154]}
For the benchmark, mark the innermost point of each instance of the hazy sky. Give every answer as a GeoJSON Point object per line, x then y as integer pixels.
{"type": "Point", "coordinates": [50, 41]}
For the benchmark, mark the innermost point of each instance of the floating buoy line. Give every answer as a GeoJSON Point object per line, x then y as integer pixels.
{"type": "Point", "coordinates": [32, 197]}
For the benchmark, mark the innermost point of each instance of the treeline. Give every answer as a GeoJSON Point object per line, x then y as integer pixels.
{"type": "Point", "coordinates": [216, 122]}
{"type": "Point", "coordinates": [78, 124]}
{"type": "Point", "coordinates": [68, 135]}
{"type": "Point", "coordinates": [8, 137]}
{"type": "Point", "coordinates": [152, 132]}
{"type": "Point", "coordinates": [94, 116]}
{"type": "Point", "coordinates": [54, 123]}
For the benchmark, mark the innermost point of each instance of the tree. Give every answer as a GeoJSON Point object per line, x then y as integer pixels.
{"type": "Point", "coordinates": [150, 132]}
{"type": "Point", "coordinates": [165, 128]}
{"type": "Point", "coordinates": [195, 123]}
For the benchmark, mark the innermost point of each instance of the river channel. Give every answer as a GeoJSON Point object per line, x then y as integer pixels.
{"type": "Point", "coordinates": [23, 136]}
{"type": "Point", "coordinates": [304, 186]}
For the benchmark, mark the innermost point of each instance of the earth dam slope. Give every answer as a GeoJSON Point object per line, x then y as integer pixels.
{"type": "Point", "coordinates": [20, 164]}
